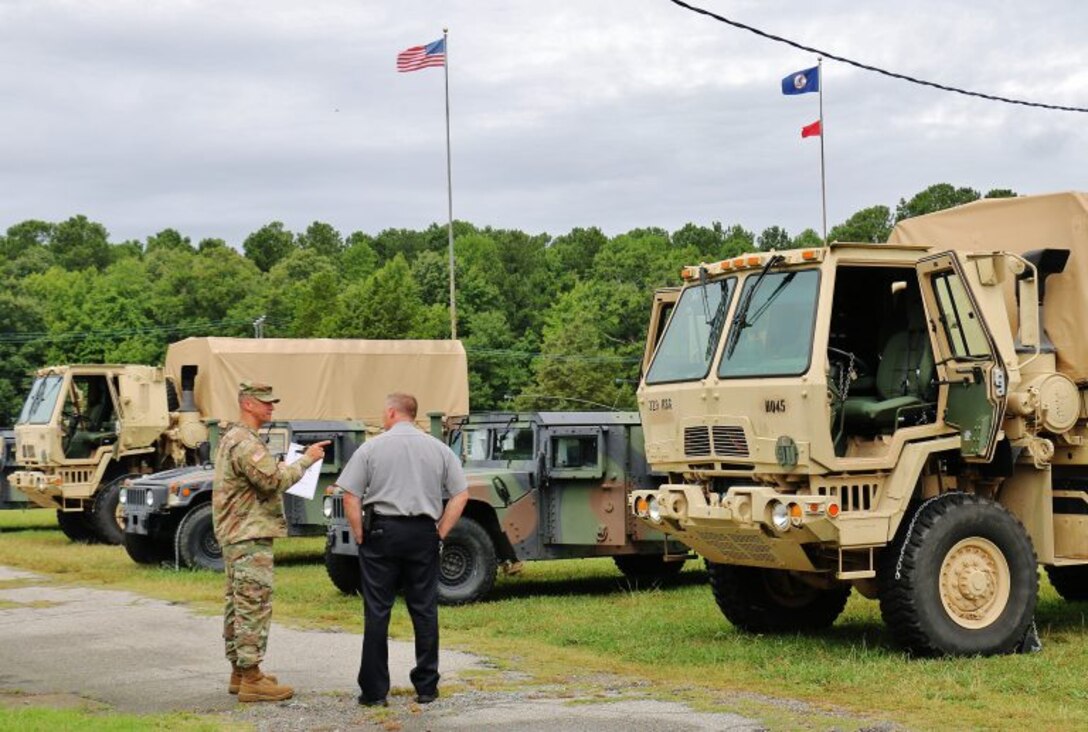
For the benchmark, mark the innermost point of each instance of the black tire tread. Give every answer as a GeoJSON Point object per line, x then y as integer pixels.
{"type": "Point", "coordinates": [144, 549]}
{"type": "Point", "coordinates": [76, 526]}
{"type": "Point", "coordinates": [103, 519]}
{"type": "Point", "coordinates": [468, 533]}
{"type": "Point", "coordinates": [899, 603]}
{"type": "Point", "coordinates": [744, 601]}
{"type": "Point", "coordinates": [188, 528]}
{"type": "Point", "coordinates": [343, 570]}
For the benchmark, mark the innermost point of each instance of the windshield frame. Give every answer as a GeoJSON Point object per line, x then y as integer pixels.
{"type": "Point", "coordinates": [26, 415]}
{"type": "Point", "coordinates": [767, 287]}
{"type": "Point", "coordinates": [729, 284]}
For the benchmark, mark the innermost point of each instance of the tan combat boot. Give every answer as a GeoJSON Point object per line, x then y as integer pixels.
{"type": "Point", "coordinates": [256, 687]}
{"type": "Point", "coordinates": [236, 679]}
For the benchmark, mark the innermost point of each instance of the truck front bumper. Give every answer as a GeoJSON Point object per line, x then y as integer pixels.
{"type": "Point", "coordinates": [145, 509]}
{"type": "Point", "coordinates": [748, 525]}
{"type": "Point", "coordinates": [39, 488]}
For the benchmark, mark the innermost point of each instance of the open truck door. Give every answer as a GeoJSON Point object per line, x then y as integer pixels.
{"type": "Point", "coordinates": [972, 377]}
{"type": "Point", "coordinates": [664, 301]}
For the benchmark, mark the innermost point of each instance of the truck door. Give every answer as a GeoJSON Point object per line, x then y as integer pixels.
{"type": "Point", "coordinates": [973, 382]}
{"type": "Point", "coordinates": [664, 301]}
{"type": "Point", "coordinates": [585, 495]}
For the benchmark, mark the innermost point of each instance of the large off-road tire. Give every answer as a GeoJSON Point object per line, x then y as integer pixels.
{"type": "Point", "coordinates": [1070, 582]}
{"type": "Point", "coordinates": [144, 549]}
{"type": "Point", "coordinates": [960, 579]}
{"type": "Point", "coordinates": [647, 569]}
{"type": "Point", "coordinates": [467, 566]}
{"type": "Point", "coordinates": [195, 540]}
{"type": "Point", "coordinates": [343, 570]}
{"type": "Point", "coordinates": [76, 526]}
{"type": "Point", "coordinates": [759, 600]}
{"type": "Point", "coordinates": [107, 515]}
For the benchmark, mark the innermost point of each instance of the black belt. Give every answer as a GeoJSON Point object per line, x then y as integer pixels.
{"type": "Point", "coordinates": [394, 518]}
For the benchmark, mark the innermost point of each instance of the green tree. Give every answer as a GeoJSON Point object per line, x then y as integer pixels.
{"type": "Point", "coordinates": [210, 243]}
{"type": "Point", "coordinates": [24, 236]}
{"type": "Point", "coordinates": [774, 237]}
{"type": "Point", "coordinates": [168, 239]}
{"type": "Point", "coordinates": [937, 197]}
{"type": "Point", "coordinates": [873, 225]}
{"type": "Point", "coordinates": [268, 245]}
{"type": "Point", "coordinates": [806, 240]}
{"type": "Point", "coordinates": [386, 305]}
{"type": "Point", "coordinates": [321, 238]}
{"type": "Point", "coordinates": [1000, 193]}
{"type": "Point", "coordinates": [79, 243]}
{"type": "Point", "coordinates": [358, 260]}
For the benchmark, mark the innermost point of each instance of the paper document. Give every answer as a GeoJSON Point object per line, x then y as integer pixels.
{"type": "Point", "coordinates": [307, 484]}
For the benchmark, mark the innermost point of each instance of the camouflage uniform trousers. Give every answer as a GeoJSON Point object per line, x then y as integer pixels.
{"type": "Point", "coordinates": [247, 614]}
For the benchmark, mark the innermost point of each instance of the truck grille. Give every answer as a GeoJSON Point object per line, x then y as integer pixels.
{"type": "Point", "coordinates": [338, 507]}
{"type": "Point", "coordinates": [728, 441]}
{"type": "Point", "coordinates": [75, 476]}
{"type": "Point", "coordinates": [136, 497]}
{"type": "Point", "coordinates": [697, 441]}
{"type": "Point", "coordinates": [852, 496]}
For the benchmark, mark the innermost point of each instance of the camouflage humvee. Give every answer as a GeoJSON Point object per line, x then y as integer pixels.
{"type": "Point", "coordinates": [9, 496]}
{"type": "Point", "coordinates": [542, 485]}
{"type": "Point", "coordinates": [168, 515]}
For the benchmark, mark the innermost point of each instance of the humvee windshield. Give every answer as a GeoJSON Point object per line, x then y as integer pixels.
{"type": "Point", "coordinates": [511, 443]}
{"type": "Point", "coordinates": [773, 336]}
{"type": "Point", "coordinates": [39, 405]}
{"type": "Point", "coordinates": [691, 337]}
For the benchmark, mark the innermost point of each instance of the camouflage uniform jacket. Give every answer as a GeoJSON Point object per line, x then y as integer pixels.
{"type": "Point", "coordinates": [247, 495]}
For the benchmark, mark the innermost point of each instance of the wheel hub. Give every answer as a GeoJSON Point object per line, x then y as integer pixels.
{"type": "Point", "coordinates": [974, 582]}
{"type": "Point", "coordinates": [454, 565]}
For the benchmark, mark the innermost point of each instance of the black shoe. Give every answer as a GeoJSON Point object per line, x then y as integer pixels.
{"type": "Point", "coordinates": [364, 702]}
{"type": "Point", "coordinates": [426, 698]}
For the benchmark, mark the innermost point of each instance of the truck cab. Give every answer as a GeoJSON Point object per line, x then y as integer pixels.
{"type": "Point", "coordinates": [542, 485]}
{"type": "Point", "coordinates": [820, 411]}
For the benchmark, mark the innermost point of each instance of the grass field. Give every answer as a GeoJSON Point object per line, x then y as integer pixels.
{"type": "Point", "coordinates": [580, 617]}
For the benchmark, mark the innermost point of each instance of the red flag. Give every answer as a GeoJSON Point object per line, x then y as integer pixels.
{"type": "Point", "coordinates": [812, 130]}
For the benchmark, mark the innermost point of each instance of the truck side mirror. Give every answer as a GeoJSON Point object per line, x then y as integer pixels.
{"type": "Point", "coordinates": [204, 453]}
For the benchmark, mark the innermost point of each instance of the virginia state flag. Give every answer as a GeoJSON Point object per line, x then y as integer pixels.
{"type": "Point", "coordinates": [802, 82]}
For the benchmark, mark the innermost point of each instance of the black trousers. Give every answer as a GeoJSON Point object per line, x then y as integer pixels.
{"type": "Point", "coordinates": [399, 551]}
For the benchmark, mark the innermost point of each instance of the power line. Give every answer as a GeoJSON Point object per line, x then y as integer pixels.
{"type": "Point", "coordinates": [876, 69]}
{"type": "Point", "coordinates": [32, 337]}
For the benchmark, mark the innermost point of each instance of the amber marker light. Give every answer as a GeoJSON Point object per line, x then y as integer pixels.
{"type": "Point", "coordinates": [809, 254]}
{"type": "Point", "coordinates": [185, 492]}
{"type": "Point", "coordinates": [173, 489]}
{"type": "Point", "coordinates": [753, 261]}
{"type": "Point", "coordinates": [795, 514]}
{"type": "Point", "coordinates": [642, 506]}
{"type": "Point", "coordinates": [738, 262]}
{"type": "Point", "coordinates": [832, 510]}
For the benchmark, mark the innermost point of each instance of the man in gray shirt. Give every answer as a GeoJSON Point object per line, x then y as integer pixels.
{"type": "Point", "coordinates": [400, 479]}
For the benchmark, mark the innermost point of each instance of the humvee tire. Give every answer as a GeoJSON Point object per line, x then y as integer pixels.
{"type": "Point", "coordinates": [144, 549]}
{"type": "Point", "coordinates": [342, 570]}
{"type": "Point", "coordinates": [967, 579]}
{"type": "Point", "coordinates": [76, 526]}
{"type": "Point", "coordinates": [758, 600]}
{"type": "Point", "coordinates": [467, 566]}
{"type": "Point", "coordinates": [195, 540]}
{"type": "Point", "coordinates": [1070, 582]}
{"type": "Point", "coordinates": [642, 569]}
{"type": "Point", "coordinates": [107, 519]}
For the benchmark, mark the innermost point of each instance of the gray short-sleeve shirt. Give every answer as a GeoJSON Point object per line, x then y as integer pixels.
{"type": "Point", "coordinates": [404, 472]}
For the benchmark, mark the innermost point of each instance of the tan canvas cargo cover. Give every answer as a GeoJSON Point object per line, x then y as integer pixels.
{"type": "Point", "coordinates": [324, 378]}
{"type": "Point", "coordinates": [1057, 221]}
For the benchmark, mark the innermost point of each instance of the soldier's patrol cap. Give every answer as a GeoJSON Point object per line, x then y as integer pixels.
{"type": "Point", "coordinates": [260, 392]}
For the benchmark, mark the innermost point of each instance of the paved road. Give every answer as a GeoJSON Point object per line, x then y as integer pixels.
{"type": "Point", "coordinates": [141, 655]}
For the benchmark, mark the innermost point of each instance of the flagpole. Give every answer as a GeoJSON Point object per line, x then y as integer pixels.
{"type": "Point", "coordinates": [449, 186]}
{"type": "Point", "coordinates": [823, 132]}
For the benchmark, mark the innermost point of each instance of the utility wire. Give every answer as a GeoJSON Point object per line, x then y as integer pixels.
{"type": "Point", "coordinates": [31, 337]}
{"type": "Point", "coordinates": [876, 69]}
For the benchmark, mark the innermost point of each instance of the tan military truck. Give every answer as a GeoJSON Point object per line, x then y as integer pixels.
{"type": "Point", "coordinates": [906, 419]}
{"type": "Point", "coordinates": [85, 429]}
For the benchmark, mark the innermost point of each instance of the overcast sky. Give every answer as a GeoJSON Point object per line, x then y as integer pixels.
{"type": "Point", "coordinates": [216, 117]}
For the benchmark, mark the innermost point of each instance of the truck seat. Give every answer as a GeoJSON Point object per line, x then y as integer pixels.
{"type": "Point", "coordinates": [904, 379]}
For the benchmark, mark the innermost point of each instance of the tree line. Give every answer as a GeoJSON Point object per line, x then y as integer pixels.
{"type": "Point", "coordinates": [548, 322]}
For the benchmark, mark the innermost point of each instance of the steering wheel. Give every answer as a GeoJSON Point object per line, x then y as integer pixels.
{"type": "Point", "coordinates": [837, 356]}
{"type": "Point", "coordinates": [840, 364]}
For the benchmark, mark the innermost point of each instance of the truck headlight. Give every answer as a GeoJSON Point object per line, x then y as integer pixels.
{"type": "Point", "coordinates": [122, 498]}
{"type": "Point", "coordinates": [326, 507]}
{"type": "Point", "coordinates": [150, 500]}
{"type": "Point", "coordinates": [780, 516]}
{"type": "Point", "coordinates": [653, 510]}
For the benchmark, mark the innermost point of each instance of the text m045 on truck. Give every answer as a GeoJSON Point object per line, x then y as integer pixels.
{"type": "Point", "coordinates": [907, 419]}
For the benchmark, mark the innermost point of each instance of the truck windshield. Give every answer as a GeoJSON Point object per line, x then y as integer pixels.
{"type": "Point", "coordinates": [41, 401]}
{"type": "Point", "coordinates": [774, 338]}
{"type": "Point", "coordinates": [691, 338]}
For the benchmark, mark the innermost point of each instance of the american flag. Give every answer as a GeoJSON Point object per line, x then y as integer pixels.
{"type": "Point", "coordinates": [421, 57]}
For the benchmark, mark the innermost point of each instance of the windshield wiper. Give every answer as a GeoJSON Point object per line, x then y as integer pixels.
{"type": "Point", "coordinates": [706, 299]}
{"type": "Point", "coordinates": [716, 323]}
{"type": "Point", "coordinates": [740, 322]}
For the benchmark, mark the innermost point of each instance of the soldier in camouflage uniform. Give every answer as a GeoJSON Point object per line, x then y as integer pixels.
{"type": "Point", "coordinates": [247, 509]}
